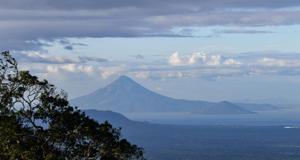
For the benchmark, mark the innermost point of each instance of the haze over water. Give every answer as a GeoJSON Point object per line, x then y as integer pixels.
{"type": "Point", "coordinates": [266, 118]}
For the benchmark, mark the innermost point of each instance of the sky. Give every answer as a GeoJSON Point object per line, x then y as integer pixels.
{"type": "Point", "coordinates": [210, 50]}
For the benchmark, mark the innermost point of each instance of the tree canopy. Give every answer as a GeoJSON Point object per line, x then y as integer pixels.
{"type": "Point", "coordinates": [37, 122]}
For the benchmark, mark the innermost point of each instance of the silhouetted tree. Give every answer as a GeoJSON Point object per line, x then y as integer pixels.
{"type": "Point", "coordinates": [37, 122]}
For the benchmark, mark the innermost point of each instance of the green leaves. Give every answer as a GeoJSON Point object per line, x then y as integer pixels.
{"type": "Point", "coordinates": [45, 126]}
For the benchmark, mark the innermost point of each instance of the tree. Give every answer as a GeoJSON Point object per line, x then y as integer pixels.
{"type": "Point", "coordinates": [37, 122]}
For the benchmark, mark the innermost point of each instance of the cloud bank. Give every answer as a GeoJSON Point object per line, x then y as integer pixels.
{"type": "Point", "coordinates": [25, 23]}
{"type": "Point", "coordinates": [196, 65]}
{"type": "Point", "coordinates": [36, 57]}
{"type": "Point", "coordinates": [198, 59]}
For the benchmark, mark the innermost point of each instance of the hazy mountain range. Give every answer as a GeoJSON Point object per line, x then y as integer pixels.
{"type": "Point", "coordinates": [273, 101]}
{"type": "Point", "coordinates": [125, 95]}
{"type": "Point", "coordinates": [225, 107]}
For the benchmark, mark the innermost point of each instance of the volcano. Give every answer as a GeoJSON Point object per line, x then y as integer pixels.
{"type": "Point", "coordinates": [125, 95]}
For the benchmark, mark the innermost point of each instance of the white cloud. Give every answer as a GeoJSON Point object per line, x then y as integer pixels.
{"type": "Point", "coordinates": [177, 60]}
{"type": "Point", "coordinates": [215, 60]}
{"type": "Point", "coordinates": [36, 57]}
{"type": "Point", "coordinates": [107, 74]}
{"type": "Point", "coordinates": [231, 61]}
{"type": "Point", "coordinates": [52, 69]}
{"type": "Point", "coordinates": [268, 59]}
{"type": "Point", "coordinates": [158, 89]}
{"type": "Point", "coordinates": [78, 72]}
{"type": "Point", "coordinates": [200, 58]}
{"type": "Point", "coordinates": [73, 72]}
{"type": "Point", "coordinates": [197, 65]}
{"type": "Point", "coordinates": [279, 62]}
{"type": "Point", "coordinates": [142, 74]}
{"type": "Point", "coordinates": [47, 58]}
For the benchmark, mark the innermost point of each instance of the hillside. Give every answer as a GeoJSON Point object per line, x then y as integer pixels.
{"type": "Point", "coordinates": [225, 108]}
{"type": "Point", "coordinates": [116, 119]}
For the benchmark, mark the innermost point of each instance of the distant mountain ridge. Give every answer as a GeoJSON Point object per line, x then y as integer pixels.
{"type": "Point", "coordinates": [257, 107]}
{"type": "Point", "coordinates": [225, 107]}
{"type": "Point", "coordinates": [125, 95]}
{"type": "Point", "coordinates": [272, 101]}
{"type": "Point", "coordinates": [114, 118]}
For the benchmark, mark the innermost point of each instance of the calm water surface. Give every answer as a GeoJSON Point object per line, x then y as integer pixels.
{"type": "Point", "coordinates": [267, 118]}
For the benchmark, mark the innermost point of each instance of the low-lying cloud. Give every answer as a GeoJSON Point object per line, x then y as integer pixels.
{"type": "Point", "coordinates": [196, 65]}
{"type": "Point", "coordinates": [200, 58]}
{"type": "Point", "coordinates": [36, 57]}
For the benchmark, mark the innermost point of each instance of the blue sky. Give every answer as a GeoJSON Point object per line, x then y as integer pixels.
{"type": "Point", "coordinates": [204, 50]}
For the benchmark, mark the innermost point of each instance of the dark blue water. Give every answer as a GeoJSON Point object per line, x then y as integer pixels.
{"type": "Point", "coordinates": [270, 118]}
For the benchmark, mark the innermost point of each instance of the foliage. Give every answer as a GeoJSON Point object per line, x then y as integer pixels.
{"type": "Point", "coordinates": [37, 122]}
